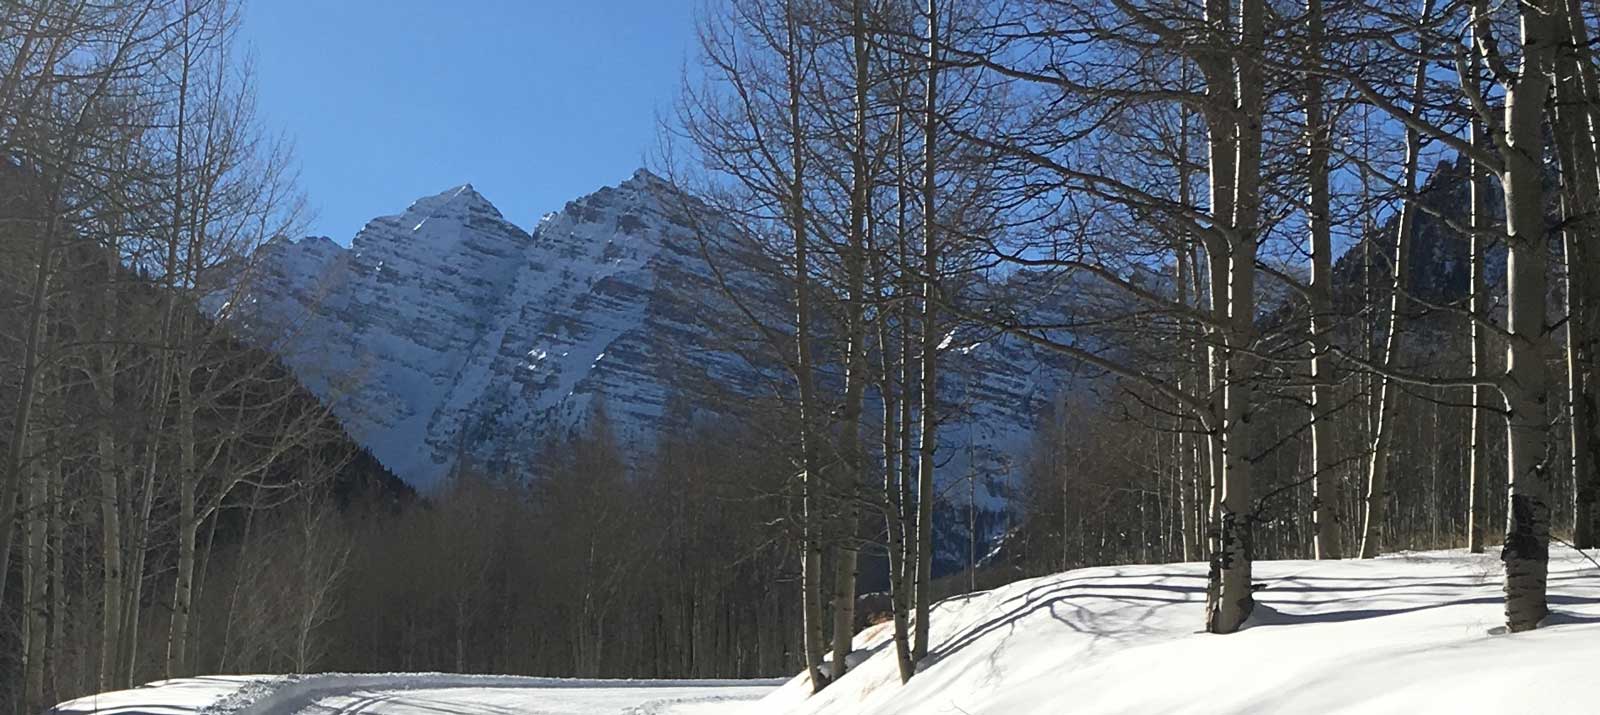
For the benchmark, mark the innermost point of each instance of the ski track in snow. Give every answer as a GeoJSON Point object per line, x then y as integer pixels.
{"type": "Point", "coordinates": [423, 694]}
{"type": "Point", "coordinates": [535, 701]}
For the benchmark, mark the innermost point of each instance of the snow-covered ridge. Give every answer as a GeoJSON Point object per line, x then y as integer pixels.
{"type": "Point", "coordinates": [1405, 634]}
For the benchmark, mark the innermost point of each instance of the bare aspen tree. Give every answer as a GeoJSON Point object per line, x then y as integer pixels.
{"type": "Point", "coordinates": [1515, 134]}
{"type": "Point", "coordinates": [66, 92]}
{"type": "Point", "coordinates": [928, 342]}
{"type": "Point", "coordinates": [1377, 491]}
{"type": "Point", "coordinates": [1477, 309]}
{"type": "Point", "coordinates": [1224, 42]}
{"type": "Point", "coordinates": [753, 125]}
{"type": "Point", "coordinates": [1192, 293]}
{"type": "Point", "coordinates": [1574, 103]}
{"type": "Point", "coordinates": [1236, 137]}
{"type": "Point", "coordinates": [893, 506]}
{"type": "Point", "coordinates": [59, 112]}
{"type": "Point", "coordinates": [103, 376]}
{"type": "Point", "coordinates": [35, 586]}
{"type": "Point", "coordinates": [190, 52]}
{"type": "Point", "coordinates": [852, 455]}
{"type": "Point", "coordinates": [894, 391]}
{"type": "Point", "coordinates": [1320, 297]}
{"type": "Point", "coordinates": [228, 195]}
{"type": "Point", "coordinates": [795, 213]}
{"type": "Point", "coordinates": [1526, 385]}
{"type": "Point", "coordinates": [33, 372]}
{"type": "Point", "coordinates": [56, 547]}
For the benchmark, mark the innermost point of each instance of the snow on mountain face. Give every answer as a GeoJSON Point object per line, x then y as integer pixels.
{"type": "Point", "coordinates": [388, 329]}
{"type": "Point", "coordinates": [447, 331]}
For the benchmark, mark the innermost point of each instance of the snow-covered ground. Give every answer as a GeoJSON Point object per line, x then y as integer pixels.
{"type": "Point", "coordinates": [422, 694]}
{"type": "Point", "coordinates": [1411, 633]}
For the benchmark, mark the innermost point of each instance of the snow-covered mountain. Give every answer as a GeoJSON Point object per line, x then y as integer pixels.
{"type": "Point", "coordinates": [446, 330]}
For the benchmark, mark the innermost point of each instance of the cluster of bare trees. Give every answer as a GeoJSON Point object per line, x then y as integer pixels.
{"type": "Point", "coordinates": [136, 184]}
{"type": "Point", "coordinates": [671, 566]}
{"type": "Point", "coordinates": [907, 168]}
{"type": "Point", "coordinates": [1336, 88]}
{"type": "Point", "coordinates": [822, 133]}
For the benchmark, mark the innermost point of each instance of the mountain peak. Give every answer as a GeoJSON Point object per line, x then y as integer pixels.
{"type": "Point", "coordinates": [647, 181]}
{"type": "Point", "coordinates": [646, 176]}
{"type": "Point", "coordinates": [459, 199]}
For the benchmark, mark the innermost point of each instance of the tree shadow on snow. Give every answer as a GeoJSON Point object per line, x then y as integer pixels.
{"type": "Point", "coordinates": [1265, 614]}
{"type": "Point", "coordinates": [1052, 597]}
{"type": "Point", "coordinates": [1072, 603]}
{"type": "Point", "coordinates": [1566, 618]}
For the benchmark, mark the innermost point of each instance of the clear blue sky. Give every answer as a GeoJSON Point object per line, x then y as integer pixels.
{"type": "Point", "coordinates": [533, 102]}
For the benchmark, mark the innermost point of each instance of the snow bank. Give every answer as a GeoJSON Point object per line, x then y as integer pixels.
{"type": "Point", "coordinates": [181, 696]}
{"type": "Point", "coordinates": [1408, 633]}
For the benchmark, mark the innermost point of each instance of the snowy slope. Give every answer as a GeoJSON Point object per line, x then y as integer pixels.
{"type": "Point", "coordinates": [446, 330]}
{"type": "Point", "coordinates": [1410, 633]}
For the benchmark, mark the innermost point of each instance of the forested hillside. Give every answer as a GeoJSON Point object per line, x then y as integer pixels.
{"type": "Point", "coordinates": [158, 473]}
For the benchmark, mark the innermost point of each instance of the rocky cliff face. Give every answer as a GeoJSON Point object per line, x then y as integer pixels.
{"type": "Point", "coordinates": [446, 332]}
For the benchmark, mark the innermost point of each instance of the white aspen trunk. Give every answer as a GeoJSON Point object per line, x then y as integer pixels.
{"type": "Point", "coordinates": [1478, 302]}
{"type": "Point", "coordinates": [231, 615]}
{"type": "Point", "coordinates": [174, 332]}
{"type": "Point", "coordinates": [908, 455]}
{"type": "Point", "coordinates": [13, 472]}
{"type": "Point", "coordinates": [1575, 140]}
{"type": "Point", "coordinates": [894, 516]}
{"type": "Point", "coordinates": [928, 348]}
{"type": "Point", "coordinates": [1185, 467]}
{"type": "Point", "coordinates": [1230, 598]}
{"type": "Point", "coordinates": [1377, 494]}
{"type": "Point", "coordinates": [894, 506]}
{"type": "Point", "coordinates": [855, 260]}
{"type": "Point", "coordinates": [141, 525]}
{"type": "Point", "coordinates": [1202, 445]}
{"type": "Point", "coordinates": [1581, 399]}
{"type": "Point", "coordinates": [35, 583]}
{"type": "Point", "coordinates": [1324, 515]}
{"type": "Point", "coordinates": [1191, 502]}
{"type": "Point", "coordinates": [1527, 382]}
{"type": "Point", "coordinates": [1222, 160]}
{"type": "Point", "coordinates": [1578, 358]}
{"type": "Point", "coordinates": [188, 532]}
{"type": "Point", "coordinates": [106, 469]}
{"type": "Point", "coordinates": [809, 409]}
{"type": "Point", "coordinates": [57, 651]}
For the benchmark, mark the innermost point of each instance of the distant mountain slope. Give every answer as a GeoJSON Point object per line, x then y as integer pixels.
{"type": "Point", "coordinates": [446, 330]}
